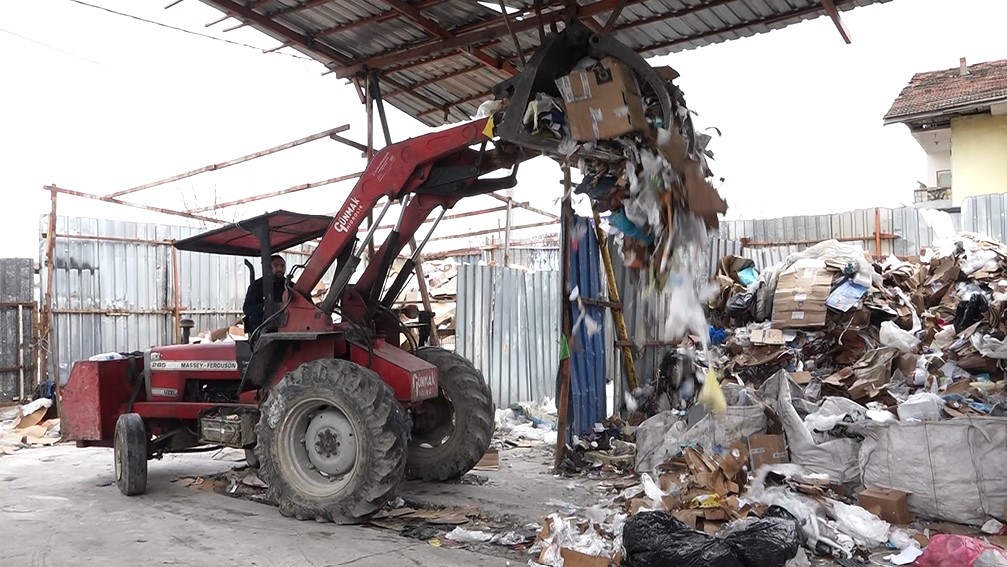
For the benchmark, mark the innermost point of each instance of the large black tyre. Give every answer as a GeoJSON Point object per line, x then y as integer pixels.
{"type": "Point", "coordinates": [130, 453]}
{"type": "Point", "coordinates": [331, 442]}
{"type": "Point", "coordinates": [452, 432]}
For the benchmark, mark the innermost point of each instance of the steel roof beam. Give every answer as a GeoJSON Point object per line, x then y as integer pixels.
{"type": "Point", "coordinates": [494, 31]}
{"type": "Point", "coordinates": [296, 38]}
{"type": "Point", "coordinates": [435, 29]}
{"type": "Point", "coordinates": [833, 12]}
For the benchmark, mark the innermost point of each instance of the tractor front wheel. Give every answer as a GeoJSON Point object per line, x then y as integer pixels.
{"type": "Point", "coordinates": [130, 447]}
{"type": "Point", "coordinates": [331, 442]}
{"type": "Point", "coordinates": [451, 432]}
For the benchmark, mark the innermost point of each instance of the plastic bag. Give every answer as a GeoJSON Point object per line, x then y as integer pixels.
{"type": "Point", "coordinates": [741, 304]}
{"type": "Point", "coordinates": [658, 539]}
{"type": "Point", "coordinates": [971, 309]}
{"type": "Point", "coordinates": [921, 406]}
{"type": "Point", "coordinates": [763, 542]}
{"type": "Point", "coordinates": [866, 529]}
{"type": "Point", "coordinates": [893, 336]}
{"type": "Point", "coordinates": [946, 550]}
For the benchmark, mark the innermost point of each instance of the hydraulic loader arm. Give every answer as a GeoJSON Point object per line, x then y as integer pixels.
{"type": "Point", "coordinates": [423, 173]}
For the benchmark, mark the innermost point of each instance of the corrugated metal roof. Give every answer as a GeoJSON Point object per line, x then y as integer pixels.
{"type": "Point", "coordinates": [439, 59]}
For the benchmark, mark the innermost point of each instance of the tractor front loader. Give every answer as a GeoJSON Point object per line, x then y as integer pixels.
{"type": "Point", "coordinates": [322, 398]}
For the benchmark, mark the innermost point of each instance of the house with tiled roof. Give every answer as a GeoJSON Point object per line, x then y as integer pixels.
{"type": "Point", "coordinates": [959, 117]}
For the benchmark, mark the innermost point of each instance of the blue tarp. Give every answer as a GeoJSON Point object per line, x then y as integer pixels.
{"type": "Point", "coordinates": [587, 351]}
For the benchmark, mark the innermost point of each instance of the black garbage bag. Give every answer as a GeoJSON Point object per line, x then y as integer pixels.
{"type": "Point", "coordinates": [740, 304]}
{"type": "Point", "coordinates": [969, 312]}
{"type": "Point", "coordinates": [658, 539]}
{"type": "Point", "coordinates": [763, 542]}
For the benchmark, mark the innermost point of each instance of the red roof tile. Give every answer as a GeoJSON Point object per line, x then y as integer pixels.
{"type": "Point", "coordinates": [935, 91]}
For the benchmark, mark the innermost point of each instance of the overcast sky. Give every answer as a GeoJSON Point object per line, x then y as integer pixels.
{"type": "Point", "coordinates": [98, 102]}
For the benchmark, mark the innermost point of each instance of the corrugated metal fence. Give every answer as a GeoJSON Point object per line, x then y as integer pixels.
{"type": "Point", "coordinates": [986, 214]}
{"type": "Point", "coordinates": [508, 326]}
{"type": "Point", "coordinates": [902, 232]}
{"type": "Point", "coordinates": [116, 289]}
{"type": "Point", "coordinates": [17, 328]}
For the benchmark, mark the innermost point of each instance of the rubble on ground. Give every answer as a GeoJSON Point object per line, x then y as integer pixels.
{"type": "Point", "coordinates": [526, 425]}
{"type": "Point", "coordinates": [26, 426]}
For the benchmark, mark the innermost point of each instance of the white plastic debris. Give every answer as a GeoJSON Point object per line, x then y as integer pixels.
{"type": "Point", "coordinates": [487, 109]}
{"type": "Point", "coordinates": [461, 535]}
{"type": "Point", "coordinates": [891, 335]}
{"type": "Point", "coordinates": [921, 406]}
{"type": "Point", "coordinates": [866, 529]}
{"type": "Point", "coordinates": [907, 556]}
{"type": "Point", "coordinates": [106, 356]}
{"type": "Point", "coordinates": [992, 527]}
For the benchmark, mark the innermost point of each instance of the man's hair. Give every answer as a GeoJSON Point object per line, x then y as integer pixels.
{"type": "Point", "coordinates": [277, 257]}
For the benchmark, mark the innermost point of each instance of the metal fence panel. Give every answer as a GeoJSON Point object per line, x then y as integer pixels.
{"type": "Point", "coordinates": [508, 326]}
{"type": "Point", "coordinates": [17, 319]}
{"type": "Point", "coordinates": [985, 214]}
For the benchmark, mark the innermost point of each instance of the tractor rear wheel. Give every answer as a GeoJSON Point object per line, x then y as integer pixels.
{"type": "Point", "coordinates": [331, 442]}
{"type": "Point", "coordinates": [130, 448]}
{"type": "Point", "coordinates": [451, 432]}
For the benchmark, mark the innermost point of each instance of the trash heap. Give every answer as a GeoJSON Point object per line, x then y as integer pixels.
{"type": "Point", "coordinates": [651, 176]}
{"type": "Point", "coordinates": [865, 398]}
{"type": "Point", "coordinates": [923, 339]}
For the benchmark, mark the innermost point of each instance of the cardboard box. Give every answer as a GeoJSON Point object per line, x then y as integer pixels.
{"type": "Point", "coordinates": [767, 449]}
{"type": "Point", "coordinates": [606, 78]}
{"type": "Point", "coordinates": [602, 102]}
{"type": "Point", "coordinates": [768, 337]}
{"type": "Point", "coordinates": [889, 505]}
{"type": "Point", "coordinates": [801, 293]}
{"type": "Point", "coordinates": [801, 377]}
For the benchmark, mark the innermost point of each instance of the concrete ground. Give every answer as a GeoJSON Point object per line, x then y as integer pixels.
{"type": "Point", "coordinates": [60, 507]}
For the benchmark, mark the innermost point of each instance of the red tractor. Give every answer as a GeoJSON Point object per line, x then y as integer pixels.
{"type": "Point", "coordinates": [334, 414]}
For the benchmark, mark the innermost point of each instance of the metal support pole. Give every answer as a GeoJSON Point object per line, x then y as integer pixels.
{"type": "Point", "coordinates": [20, 353]}
{"type": "Point", "coordinates": [375, 88]}
{"type": "Point", "coordinates": [176, 293]}
{"type": "Point", "coordinates": [613, 295]}
{"type": "Point", "coordinates": [877, 234]}
{"type": "Point", "coordinates": [421, 282]}
{"type": "Point", "coordinates": [242, 159]}
{"type": "Point", "coordinates": [369, 103]}
{"type": "Point", "coordinates": [506, 250]}
{"type": "Point", "coordinates": [46, 334]}
{"type": "Point", "coordinates": [563, 394]}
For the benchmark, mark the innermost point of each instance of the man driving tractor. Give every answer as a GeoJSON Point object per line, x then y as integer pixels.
{"type": "Point", "coordinates": [254, 300]}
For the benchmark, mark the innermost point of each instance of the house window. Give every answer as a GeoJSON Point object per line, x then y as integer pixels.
{"type": "Point", "coordinates": [944, 178]}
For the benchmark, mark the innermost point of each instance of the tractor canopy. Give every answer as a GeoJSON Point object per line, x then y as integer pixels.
{"type": "Point", "coordinates": [284, 229]}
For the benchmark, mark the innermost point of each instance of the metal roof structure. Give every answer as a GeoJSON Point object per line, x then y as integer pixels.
{"type": "Point", "coordinates": [437, 60]}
